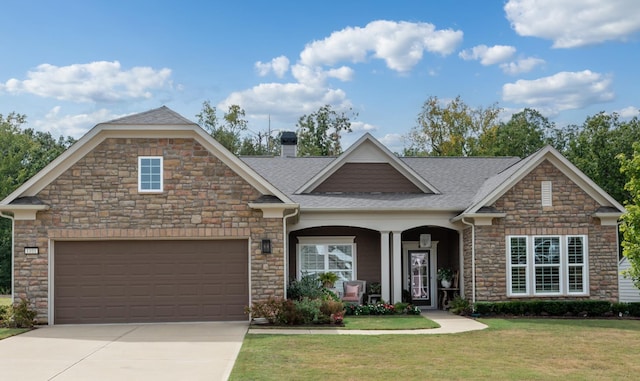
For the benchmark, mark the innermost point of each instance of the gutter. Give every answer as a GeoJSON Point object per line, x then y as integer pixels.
{"type": "Point", "coordinates": [473, 262]}
{"type": "Point", "coordinates": [13, 243]}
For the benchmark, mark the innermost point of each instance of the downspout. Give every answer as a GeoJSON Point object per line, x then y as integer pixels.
{"type": "Point", "coordinates": [285, 241]}
{"type": "Point", "coordinates": [473, 262]}
{"type": "Point", "coordinates": [13, 243]}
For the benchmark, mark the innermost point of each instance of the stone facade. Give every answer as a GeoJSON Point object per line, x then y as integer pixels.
{"type": "Point", "coordinates": [571, 213]}
{"type": "Point", "coordinates": [98, 198]}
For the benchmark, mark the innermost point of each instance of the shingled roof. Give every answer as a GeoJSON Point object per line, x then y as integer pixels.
{"type": "Point", "coordinates": [458, 180]}
{"type": "Point", "coordinates": [159, 116]}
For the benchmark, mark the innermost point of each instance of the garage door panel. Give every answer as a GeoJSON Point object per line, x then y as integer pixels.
{"type": "Point", "coordinates": [148, 281]}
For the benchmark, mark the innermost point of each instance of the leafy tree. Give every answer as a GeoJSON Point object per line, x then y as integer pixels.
{"type": "Point", "coordinates": [630, 227]}
{"type": "Point", "coordinates": [319, 132]}
{"type": "Point", "coordinates": [228, 133]}
{"type": "Point", "coordinates": [525, 133]}
{"type": "Point", "coordinates": [593, 148]}
{"type": "Point", "coordinates": [22, 154]}
{"type": "Point", "coordinates": [449, 130]}
{"type": "Point", "coordinates": [261, 144]}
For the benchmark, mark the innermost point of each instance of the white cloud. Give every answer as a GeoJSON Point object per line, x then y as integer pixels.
{"type": "Point", "coordinates": [279, 66]}
{"type": "Point", "coordinates": [561, 91]}
{"type": "Point", "coordinates": [629, 112]}
{"type": "Point", "coordinates": [571, 24]}
{"type": "Point", "coordinates": [358, 126]}
{"type": "Point", "coordinates": [99, 81]}
{"type": "Point", "coordinates": [394, 142]}
{"type": "Point", "coordinates": [72, 125]}
{"type": "Point", "coordinates": [400, 44]}
{"type": "Point", "coordinates": [488, 55]}
{"type": "Point", "coordinates": [523, 65]}
{"type": "Point", "coordinates": [285, 101]}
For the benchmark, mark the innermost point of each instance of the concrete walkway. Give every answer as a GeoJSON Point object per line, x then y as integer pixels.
{"type": "Point", "coordinates": [449, 323]}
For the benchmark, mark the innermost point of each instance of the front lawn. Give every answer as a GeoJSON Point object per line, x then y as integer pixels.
{"type": "Point", "coordinates": [7, 332]}
{"type": "Point", "coordinates": [515, 349]}
{"type": "Point", "coordinates": [389, 322]}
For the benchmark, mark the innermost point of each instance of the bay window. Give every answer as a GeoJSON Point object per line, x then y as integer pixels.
{"type": "Point", "coordinates": [546, 265]}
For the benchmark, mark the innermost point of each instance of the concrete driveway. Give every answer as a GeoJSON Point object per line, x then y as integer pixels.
{"type": "Point", "coordinates": [173, 351]}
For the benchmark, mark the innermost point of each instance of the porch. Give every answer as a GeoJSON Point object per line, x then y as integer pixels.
{"type": "Point", "coordinates": [404, 263]}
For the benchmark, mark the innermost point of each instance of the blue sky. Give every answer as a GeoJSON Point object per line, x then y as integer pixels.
{"type": "Point", "coordinates": [69, 65]}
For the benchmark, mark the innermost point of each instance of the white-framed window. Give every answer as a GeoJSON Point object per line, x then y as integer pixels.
{"type": "Point", "coordinates": [547, 265]}
{"type": "Point", "coordinates": [327, 254]}
{"type": "Point", "coordinates": [150, 174]}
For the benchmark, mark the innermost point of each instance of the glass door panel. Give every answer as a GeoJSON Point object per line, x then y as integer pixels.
{"type": "Point", "coordinates": [419, 279]}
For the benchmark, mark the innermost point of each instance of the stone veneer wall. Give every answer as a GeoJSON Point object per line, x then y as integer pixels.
{"type": "Point", "coordinates": [571, 213]}
{"type": "Point", "coordinates": [97, 198]}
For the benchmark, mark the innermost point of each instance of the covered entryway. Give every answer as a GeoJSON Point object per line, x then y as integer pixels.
{"type": "Point", "coordinates": [150, 281]}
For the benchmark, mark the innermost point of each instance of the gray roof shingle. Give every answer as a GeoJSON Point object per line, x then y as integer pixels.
{"type": "Point", "coordinates": [458, 179]}
{"type": "Point", "coordinates": [159, 116]}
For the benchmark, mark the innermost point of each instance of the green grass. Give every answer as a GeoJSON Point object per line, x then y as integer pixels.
{"type": "Point", "coordinates": [515, 349]}
{"type": "Point", "coordinates": [7, 332]}
{"type": "Point", "coordinates": [5, 301]}
{"type": "Point", "coordinates": [389, 322]}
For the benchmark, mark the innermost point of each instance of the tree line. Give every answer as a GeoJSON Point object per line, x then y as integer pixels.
{"type": "Point", "coordinates": [602, 147]}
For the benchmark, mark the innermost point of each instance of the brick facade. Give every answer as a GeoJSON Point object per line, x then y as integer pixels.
{"type": "Point", "coordinates": [98, 198]}
{"type": "Point", "coordinates": [571, 213]}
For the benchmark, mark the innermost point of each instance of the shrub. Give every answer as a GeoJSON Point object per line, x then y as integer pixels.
{"type": "Point", "coordinates": [460, 306]}
{"type": "Point", "coordinates": [307, 287]}
{"type": "Point", "coordinates": [330, 295]}
{"type": "Point", "coordinates": [20, 316]}
{"type": "Point", "coordinates": [270, 309]}
{"type": "Point", "coordinates": [290, 314]}
{"type": "Point", "coordinates": [330, 307]}
{"type": "Point", "coordinates": [550, 307]}
{"type": "Point", "coordinates": [309, 310]}
{"type": "Point", "coordinates": [634, 309]}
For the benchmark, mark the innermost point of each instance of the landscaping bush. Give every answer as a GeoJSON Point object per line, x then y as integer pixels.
{"type": "Point", "coordinates": [290, 314]}
{"type": "Point", "coordinates": [20, 316]}
{"type": "Point", "coordinates": [460, 306]}
{"type": "Point", "coordinates": [626, 309]}
{"type": "Point", "coordinates": [271, 309]}
{"type": "Point", "coordinates": [381, 309]}
{"type": "Point", "coordinates": [307, 287]}
{"type": "Point", "coordinates": [309, 311]}
{"type": "Point", "coordinates": [634, 309]}
{"type": "Point", "coordinates": [551, 308]}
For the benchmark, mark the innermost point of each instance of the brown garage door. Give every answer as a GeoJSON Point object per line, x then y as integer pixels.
{"type": "Point", "coordinates": [150, 281]}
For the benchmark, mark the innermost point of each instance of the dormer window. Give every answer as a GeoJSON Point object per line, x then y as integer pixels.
{"type": "Point", "coordinates": [150, 174]}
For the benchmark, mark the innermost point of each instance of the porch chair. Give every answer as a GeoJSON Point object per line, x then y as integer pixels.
{"type": "Point", "coordinates": [354, 291]}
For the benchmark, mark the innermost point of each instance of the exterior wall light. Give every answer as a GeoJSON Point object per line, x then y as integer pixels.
{"type": "Point", "coordinates": [266, 246]}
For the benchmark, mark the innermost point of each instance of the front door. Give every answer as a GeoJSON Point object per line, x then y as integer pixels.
{"type": "Point", "coordinates": [418, 280]}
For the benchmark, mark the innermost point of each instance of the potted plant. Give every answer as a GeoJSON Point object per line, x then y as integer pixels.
{"type": "Point", "coordinates": [328, 279]}
{"type": "Point", "coordinates": [445, 276]}
{"type": "Point", "coordinates": [374, 288]}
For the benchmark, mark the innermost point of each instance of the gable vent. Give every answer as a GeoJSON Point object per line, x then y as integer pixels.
{"type": "Point", "coordinates": [546, 193]}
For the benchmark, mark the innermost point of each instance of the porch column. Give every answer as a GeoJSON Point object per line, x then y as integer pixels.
{"type": "Point", "coordinates": [397, 267]}
{"type": "Point", "coordinates": [385, 268]}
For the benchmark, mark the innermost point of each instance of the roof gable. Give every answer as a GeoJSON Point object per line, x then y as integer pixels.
{"type": "Point", "coordinates": [162, 122]}
{"type": "Point", "coordinates": [159, 116]}
{"type": "Point", "coordinates": [498, 185]}
{"type": "Point", "coordinates": [367, 150]}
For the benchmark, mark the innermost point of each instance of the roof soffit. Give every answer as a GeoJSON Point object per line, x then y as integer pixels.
{"type": "Point", "coordinates": [367, 150]}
